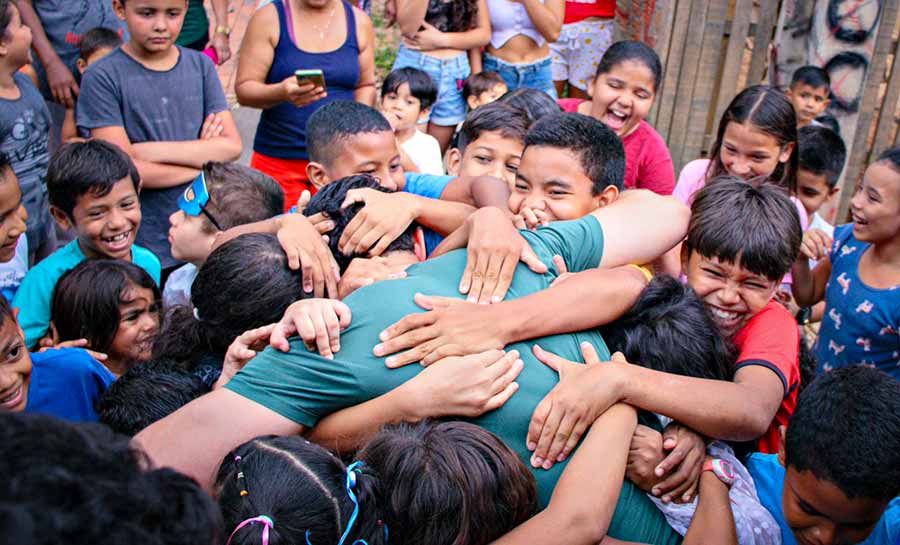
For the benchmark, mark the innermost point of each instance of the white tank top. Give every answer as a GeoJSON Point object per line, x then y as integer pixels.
{"type": "Point", "coordinates": [509, 19]}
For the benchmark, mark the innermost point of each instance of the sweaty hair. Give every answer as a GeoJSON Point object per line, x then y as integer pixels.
{"type": "Point", "coordinates": [669, 329]}
{"type": "Point", "coordinates": [822, 152]}
{"type": "Point", "coordinates": [631, 50]}
{"type": "Point", "coordinates": [846, 430]}
{"type": "Point", "coordinates": [535, 104]}
{"type": "Point", "coordinates": [96, 39]}
{"type": "Point", "coordinates": [81, 483]}
{"type": "Point", "coordinates": [811, 75]}
{"type": "Point", "coordinates": [768, 110]}
{"type": "Point", "coordinates": [420, 84]}
{"type": "Point", "coordinates": [599, 150]}
{"type": "Point", "coordinates": [246, 283]}
{"type": "Point", "coordinates": [146, 393]}
{"type": "Point", "coordinates": [480, 83]}
{"type": "Point", "coordinates": [510, 122]}
{"type": "Point", "coordinates": [90, 168]}
{"type": "Point", "coordinates": [891, 157]}
{"type": "Point", "coordinates": [733, 219]}
{"type": "Point", "coordinates": [239, 195]}
{"type": "Point", "coordinates": [329, 199]}
{"type": "Point", "coordinates": [337, 121]}
{"type": "Point", "coordinates": [87, 299]}
{"type": "Point", "coordinates": [449, 483]}
{"type": "Point", "coordinates": [303, 489]}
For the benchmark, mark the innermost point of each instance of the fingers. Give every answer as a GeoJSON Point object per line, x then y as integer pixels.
{"type": "Point", "coordinates": [99, 356]}
{"type": "Point", "coordinates": [504, 279]}
{"type": "Point", "coordinates": [538, 418]}
{"type": "Point", "coordinates": [501, 398]}
{"type": "Point", "coordinates": [531, 219]}
{"type": "Point", "coordinates": [465, 284]}
{"type": "Point", "coordinates": [529, 258]}
{"type": "Point", "coordinates": [545, 439]}
{"type": "Point", "coordinates": [303, 202]}
{"type": "Point", "coordinates": [431, 356]}
{"type": "Point", "coordinates": [280, 333]}
{"type": "Point", "coordinates": [580, 428]}
{"type": "Point", "coordinates": [481, 265]}
{"type": "Point", "coordinates": [560, 264]}
{"type": "Point", "coordinates": [677, 485]}
{"type": "Point", "coordinates": [618, 357]}
{"type": "Point", "coordinates": [589, 353]}
{"type": "Point", "coordinates": [436, 302]}
{"type": "Point", "coordinates": [550, 360]}
{"type": "Point", "coordinates": [321, 222]}
{"type": "Point", "coordinates": [350, 230]}
{"type": "Point", "coordinates": [322, 331]}
{"type": "Point", "coordinates": [559, 441]}
{"type": "Point", "coordinates": [491, 277]}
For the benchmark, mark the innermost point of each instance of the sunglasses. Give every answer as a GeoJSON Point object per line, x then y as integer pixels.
{"type": "Point", "coordinates": [196, 196]}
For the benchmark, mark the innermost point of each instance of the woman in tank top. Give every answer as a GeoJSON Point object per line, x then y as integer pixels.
{"type": "Point", "coordinates": [289, 35]}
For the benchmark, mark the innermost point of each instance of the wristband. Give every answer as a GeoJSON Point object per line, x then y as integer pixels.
{"type": "Point", "coordinates": [221, 29]}
{"type": "Point", "coordinates": [722, 469]}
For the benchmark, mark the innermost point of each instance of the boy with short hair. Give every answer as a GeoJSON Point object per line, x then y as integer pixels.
{"type": "Point", "coordinates": [838, 467]}
{"type": "Point", "coordinates": [490, 143]}
{"type": "Point", "coordinates": [483, 88]}
{"type": "Point", "coordinates": [94, 45]}
{"type": "Point", "coordinates": [821, 161]}
{"type": "Point", "coordinates": [809, 92]}
{"type": "Point", "coordinates": [164, 106]}
{"type": "Point", "coordinates": [94, 189]}
{"type": "Point", "coordinates": [407, 95]}
{"type": "Point", "coordinates": [13, 246]}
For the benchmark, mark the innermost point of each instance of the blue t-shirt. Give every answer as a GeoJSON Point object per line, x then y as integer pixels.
{"type": "Point", "coordinates": [860, 323]}
{"type": "Point", "coordinates": [431, 186]}
{"type": "Point", "coordinates": [66, 383]}
{"type": "Point", "coordinates": [13, 271]}
{"type": "Point", "coordinates": [35, 294]}
{"type": "Point", "coordinates": [768, 475]}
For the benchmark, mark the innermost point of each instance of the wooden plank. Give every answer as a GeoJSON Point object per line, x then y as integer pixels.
{"type": "Point", "coordinates": [762, 36]}
{"type": "Point", "coordinates": [666, 100]}
{"type": "Point", "coordinates": [858, 152]}
{"type": "Point", "coordinates": [740, 27]}
{"type": "Point", "coordinates": [887, 120]}
{"type": "Point", "coordinates": [665, 18]}
{"type": "Point", "coordinates": [706, 81]}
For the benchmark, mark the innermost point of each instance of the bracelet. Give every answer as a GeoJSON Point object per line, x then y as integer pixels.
{"type": "Point", "coordinates": [803, 315]}
{"type": "Point", "coordinates": [223, 30]}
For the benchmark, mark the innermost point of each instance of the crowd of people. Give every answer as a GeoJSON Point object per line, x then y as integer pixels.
{"type": "Point", "coordinates": [474, 305]}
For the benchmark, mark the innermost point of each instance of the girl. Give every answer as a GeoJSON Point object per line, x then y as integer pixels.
{"type": "Point", "coordinates": [519, 48]}
{"type": "Point", "coordinates": [436, 36]}
{"type": "Point", "coordinates": [111, 307]}
{"type": "Point", "coordinates": [858, 275]}
{"type": "Point", "coordinates": [623, 92]}
{"type": "Point", "coordinates": [587, 33]}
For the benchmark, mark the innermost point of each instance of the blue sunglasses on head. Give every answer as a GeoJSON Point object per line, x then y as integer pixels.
{"type": "Point", "coordinates": [196, 196]}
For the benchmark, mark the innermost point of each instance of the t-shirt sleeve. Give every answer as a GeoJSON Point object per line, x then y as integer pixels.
{"type": "Point", "coordinates": [842, 234]}
{"type": "Point", "coordinates": [33, 300]}
{"type": "Point", "coordinates": [579, 242]}
{"type": "Point", "coordinates": [426, 185]}
{"type": "Point", "coordinates": [148, 261]}
{"type": "Point", "coordinates": [656, 173]}
{"type": "Point", "coordinates": [690, 180]}
{"type": "Point", "coordinates": [100, 100]}
{"type": "Point", "coordinates": [771, 339]}
{"type": "Point", "coordinates": [214, 95]}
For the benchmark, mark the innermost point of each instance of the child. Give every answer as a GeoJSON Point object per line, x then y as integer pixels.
{"type": "Point", "coordinates": [623, 92]}
{"type": "Point", "coordinates": [164, 106]}
{"type": "Point", "coordinates": [94, 189]}
{"type": "Point", "coordinates": [113, 305]}
{"type": "Point", "coordinates": [837, 469]}
{"type": "Point", "coordinates": [483, 88]}
{"type": "Point", "coordinates": [223, 196]}
{"type": "Point", "coordinates": [858, 275]}
{"type": "Point", "coordinates": [490, 143]}
{"type": "Point", "coordinates": [24, 130]}
{"type": "Point", "coordinates": [13, 246]}
{"type": "Point", "coordinates": [64, 383]}
{"type": "Point", "coordinates": [810, 93]}
{"type": "Point", "coordinates": [535, 104]}
{"type": "Point", "coordinates": [407, 95]}
{"type": "Point", "coordinates": [821, 161]}
{"type": "Point", "coordinates": [94, 45]}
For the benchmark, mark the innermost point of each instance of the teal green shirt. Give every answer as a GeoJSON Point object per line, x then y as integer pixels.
{"type": "Point", "coordinates": [196, 23]}
{"type": "Point", "coordinates": [305, 387]}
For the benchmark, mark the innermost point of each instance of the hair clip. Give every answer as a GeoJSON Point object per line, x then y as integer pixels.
{"type": "Point", "coordinates": [242, 482]}
{"type": "Point", "coordinates": [197, 317]}
{"type": "Point", "coordinates": [266, 521]}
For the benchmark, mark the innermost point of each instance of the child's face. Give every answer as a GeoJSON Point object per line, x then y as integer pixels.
{"type": "Point", "coordinates": [748, 152]}
{"type": "Point", "coordinates": [809, 102]}
{"type": "Point", "coordinates": [875, 205]}
{"type": "Point", "coordinates": [138, 326]}
{"type": "Point", "coordinates": [813, 190]}
{"type": "Point", "coordinates": [15, 367]}
{"type": "Point", "coordinates": [546, 181]}
{"type": "Point", "coordinates": [491, 154]}
{"type": "Point", "coordinates": [732, 294]}
{"type": "Point", "coordinates": [154, 25]}
{"type": "Point", "coordinates": [623, 96]}
{"type": "Point", "coordinates": [402, 110]}
{"type": "Point", "coordinates": [16, 44]}
{"type": "Point", "coordinates": [374, 153]}
{"type": "Point", "coordinates": [491, 95]}
{"type": "Point", "coordinates": [190, 238]}
{"type": "Point", "coordinates": [12, 215]}
{"type": "Point", "coordinates": [106, 226]}
{"type": "Point", "coordinates": [83, 64]}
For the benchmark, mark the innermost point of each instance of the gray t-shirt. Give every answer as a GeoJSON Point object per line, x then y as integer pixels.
{"type": "Point", "coordinates": [24, 136]}
{"type": "Point", "coordinates": [152, 106]}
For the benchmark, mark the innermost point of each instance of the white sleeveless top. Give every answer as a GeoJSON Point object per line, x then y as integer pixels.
{"type": "Point", "coordinates": [509, 19]}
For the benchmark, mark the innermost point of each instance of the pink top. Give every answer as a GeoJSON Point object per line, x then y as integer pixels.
{"type": "Point", "coordinates": [648, 164]}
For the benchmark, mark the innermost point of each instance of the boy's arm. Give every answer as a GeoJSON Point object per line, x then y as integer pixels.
{"type": "Point", "coordinates": [809, 285]}
{"type": "Point", "coordinates": [59, 78]}
{"type": "Point", "coordinates": [477, 191]}
{"type": "Point", "coordinates": [33, 299]}
{"type": "Point", "coordinates": [713, 520]}
{"type": "Point", "coordinates": [153, 175]}
{"type": "Point", "coordinates": [69, 129]}
{"type": "Point", "coordinates": [365, 87]}
{"type": "Point", "coordinates": [224, 147]}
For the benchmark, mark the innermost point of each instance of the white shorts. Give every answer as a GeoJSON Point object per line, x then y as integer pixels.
{"type": "Point", "coordinates": [579, 49]}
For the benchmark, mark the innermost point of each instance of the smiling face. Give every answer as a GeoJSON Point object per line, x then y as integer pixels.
{"type": "Point", "coordinates": [15, 367]}
{"type": "Point", "coordinates": [106, 226]}
{"type": "Point", "coordinates": [154, 25]}
{"type": "Point", "coordinates": [747, 152]}
{"type": "Point", "coordinates": [374, 153]}
{"type": "Point", "coordinates": [875, 205]}
{"type": "Point", "coordinates": [12, 215]}
{"type": "Point", "coordinates": [623, 96]}
{"type": "Point", "coordinates": [491, 154]}
{"type": "Point", "coordinates": [547, 181]}
{"type": "Point", "coordinates": [138, 327]}
{"type": "Point", "coordinates": [732, 294]}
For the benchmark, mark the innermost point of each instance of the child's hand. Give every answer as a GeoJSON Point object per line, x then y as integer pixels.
{"type": "Point", "coordinates": [645, 453]}
{"type": "Point", "coordinates": [306, 250]}
{"type": "Point", "coordinates": [383, 218]}
{"type": "Point", "coordinates": [241, 351]}
{"type": "Point", "coordinates": [687, 450]}
{"type": "Point", "coordinates": [364, 271]}
{"type": "Point", "coordinates": [212, 127]}
{"type": "Point", "coordinates": [816, 245]}
{"type": "Point", "coordinates": [530, 218]}
{"type": "Point", "coordinates": [319, 220]}
{"type": "Point", "coordinates": [47, 344]}
{"type": "Point", "coordinates": [301, 95]}
{"type": "Point", "coordinates": [318, 322]}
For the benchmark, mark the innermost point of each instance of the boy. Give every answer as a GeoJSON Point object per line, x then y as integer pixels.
{"type": "Point", "coordinates": [838, 467]}
{"type": "Point", "coordinates": [809, 92]}
{"type": "Point", "coordinates": [24, 130]}
{"type": "Point", "coordinates": [822, 156]}
{"type": "Point", "coordinates": [13, 246]}
{"type": "Point", "coordinates": [223, 196]}
{"type": "Point", "coordinates": [406, 98]}
{"type": "Point", "coordinates": [164, 106]}
{"type": "Point", "coordinates": [94, 190]}
{"type": "Point", "coordinates": [96, 44]}
{"type": "Point", "coordinates": [483, 88]}
{"type": "Point", "coordinates": [490, 143]}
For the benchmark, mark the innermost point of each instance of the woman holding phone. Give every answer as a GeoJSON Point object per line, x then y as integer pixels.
{"type": "Point", "coordinates": [436, 36]}
{"type": "Point", "coordinates": [289, 35]}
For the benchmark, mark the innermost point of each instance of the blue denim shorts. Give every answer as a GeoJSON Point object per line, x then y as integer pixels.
{"type": "Point", "coordinates": [449, 75]}
{"type": "Point", "coordinates": [536, 75]}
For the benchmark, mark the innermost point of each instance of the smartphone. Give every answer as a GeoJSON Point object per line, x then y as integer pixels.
{"type": "Point", "coordinates": [316, 76]}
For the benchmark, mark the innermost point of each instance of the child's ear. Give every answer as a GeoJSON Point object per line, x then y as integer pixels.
{"type": "Point", "coordinates": [827, 103]}
{"type": "Point", "coordinates": [834, 191]}
{"type": "Point", "coordinates": [317, 175]}
{"type": "Point", "coordinates": [789, 93]}
{"type": "Point", "coordinates": [786, 152]}
{"type": "Point", "coordinates": [454, 161]}
{"type": "Point", "coordinates": [81, 65]}
{"type": "Point", "coordinates": [424, 115]}
{"type": "Point", "coordinates": [419, 244]}
{"type": "Point", "coordinates": [119, 8]}
{"type": "Point", "coordinates": [685, 257]}
{"type": "Point", "coordinates": [54, 334]}
{"type": "Point", "coordinates": [472, 101]}
{"type": "Point", "coordinates": [63, 219]}
{"type": "Point", "coordinates": [607, 196]}
{"type": "Point", "coordinates": [782, 431]}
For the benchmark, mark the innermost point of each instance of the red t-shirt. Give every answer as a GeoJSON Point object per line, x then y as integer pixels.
{"type": "Point", "coordinates": [579, 10]}
{"type": "Point", "coordinates": [648, 164]}
{"type": "Point", "coordinates": [772, 339]}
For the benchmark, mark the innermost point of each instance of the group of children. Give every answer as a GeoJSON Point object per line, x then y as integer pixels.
{"type": "Point", "coordinates": [198, 310]}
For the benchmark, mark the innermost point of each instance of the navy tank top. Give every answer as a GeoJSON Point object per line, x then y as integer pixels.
{"type": "Point", "coordinates": [281, 132]}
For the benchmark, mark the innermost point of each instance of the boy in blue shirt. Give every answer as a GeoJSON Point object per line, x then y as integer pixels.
{"type": "Point", "coordinates": [837, 475]}
{"type": "Point", "coordinates": [94, 189]}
